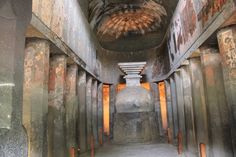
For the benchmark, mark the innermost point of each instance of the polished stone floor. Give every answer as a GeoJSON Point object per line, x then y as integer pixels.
{"type": "Point", "coordinates": [136, 150]}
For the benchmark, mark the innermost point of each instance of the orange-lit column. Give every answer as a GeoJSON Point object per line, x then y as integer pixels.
{"type": "Point", "coordinates": [163, 105]}
{"type": "Point", "coordinates": [81, 91]}
{"type": "Point", "coordinates": [158, 110]}
{"type": "Point", "coordinates": [106, 110]}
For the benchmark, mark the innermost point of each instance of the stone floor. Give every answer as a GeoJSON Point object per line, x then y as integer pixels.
{"type": "Point", "coordinates": [136, 150]}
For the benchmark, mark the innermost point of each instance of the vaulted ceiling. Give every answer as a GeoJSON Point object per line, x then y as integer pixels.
{"type": "Point", "coordinates": [130, 25]}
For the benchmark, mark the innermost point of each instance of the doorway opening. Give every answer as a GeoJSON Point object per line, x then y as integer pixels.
{"type": "Point", "coordinates": [163, 105]}
{"type": "Point", "coordinates": [106, 109]}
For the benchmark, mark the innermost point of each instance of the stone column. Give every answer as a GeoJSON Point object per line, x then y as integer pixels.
{"type": "Point", "coordinates": [56, 108]}
{"type": "Point", "coordinates": [227, 46]}
{"type": "Point", "coordinates": [188, 109]}
{"type": "Point", "coordinates": [81, 91]}
{"type": "Point", "coordinates": [158, 111]}
{"type": "Point", "coordinates": [112, 108]}
{"type": "Point", "coordinates": [95, 113]}
{"type": "Point", "coordinates": [169, 111]}
{"type": "Point", "coordinates": [89, 111]}
{"type": "Point", "coordinates": [181, 113]}
{"type": "Point", "coordinates": [218, 112]}
{"type": "Point", "coordinates": [156, 99]}
{"type": "Point", "coordinates": [199, 103]}
{"type": "Point", "coordinates": [174, 106]}
{"type": "Point", "coordinates": [71, 106]}
{"type": "Point", "coordinates": [35, 102]}
{"type": "Point", "coordinates": [100, 113]}
{"type": "Point", "coordinates": [14, 17]}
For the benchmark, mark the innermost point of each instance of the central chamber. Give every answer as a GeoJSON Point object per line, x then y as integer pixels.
{"type": "Point", "coordinates": [135, 119]}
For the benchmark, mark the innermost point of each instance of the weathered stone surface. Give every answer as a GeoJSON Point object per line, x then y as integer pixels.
{"type": "Point", "coordinates": [199, 103]}
{"type": "Point", "coordinates": [180, 108]}
{"type": "Point", "coordinates": [56, 107]}
{"type": "Point", "coordinates": [81, 91]}
{"type": "Point", "coordinates": [112, 96]}
{"type": "Point", "coordinates": [89, 110]}
{"type": "Point", "coordinates": [174, 106]}
{"type": "Point", "coordinates": [100, 113]}
{"type": "Point", "coordinates": [35, 107]}
{"type": "Point", "coordinates": [95, 113]}
{"type": "Point", "coordinates": [170, 129]}
{"type": "Point", "coordinates": [227, 46]}
{"type": "Point", "coordinates": [188, 109]}
{"type": "Point", "coordinates": [218, 112]}
{"type": "Point", "coordinates": [14, 18]}
{"type": "Point", "coordinates": [71, 106]}
{"type": "Point", "coordinates": [134, 99]}
{"type": "Point", "coordinates": [135, 127]}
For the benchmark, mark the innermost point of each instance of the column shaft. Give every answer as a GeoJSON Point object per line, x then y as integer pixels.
{"type": "Point", "coordinates": [181, 113]}
{"type": "Point", "coordinates": [81, 90]}
{"type": "Point", "coordinates": [112, 107]}
{"type": "Point", "coordinates": [188, 109]}
{"type": "Point", "coordinates": [100, 113]}
{"type": "Point", "coordinates": [95, 113]}
{"type": "Point", "coordinates": [56, 108]}
{"type": "Point", "coordinates": [174, 106]}
{"type": "Point", "coordinates": [227, 46]}
{"type": "Point", "coordinates": [169, 111]}
{"type": "Point", "coordinates": [71, 105]}
{"type": "Point", "coordinates": [199, 103]}
{"type": "Point", "coordinates": [35, 108]}
{"type": "Point", "coordinates": [218, 113]}
{"type": "Point", "coordinates": [89, 111]}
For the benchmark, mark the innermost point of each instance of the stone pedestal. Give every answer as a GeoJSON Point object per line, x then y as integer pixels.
{"type": "Point", "coordinates": [135, 127]}
{"type": "Point", "coordinates": [135, 119]}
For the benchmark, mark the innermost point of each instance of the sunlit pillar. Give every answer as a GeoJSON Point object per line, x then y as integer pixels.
{"type": "Point", "coordinates": [227, 47]}
{"type": "Point", "coordinates": [56, 108]}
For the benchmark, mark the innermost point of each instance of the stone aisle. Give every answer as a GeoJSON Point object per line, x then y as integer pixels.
{"type": "Point", "coordinates": [136, 150]}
